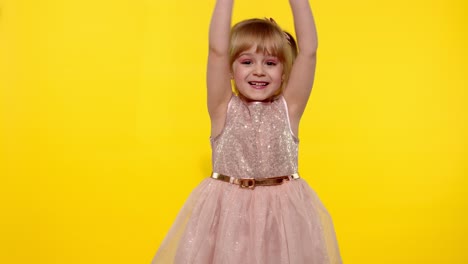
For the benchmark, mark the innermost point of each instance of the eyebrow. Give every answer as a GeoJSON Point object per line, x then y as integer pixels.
{"type": "Point", "coordinates": [252, 54]}
{"type": "Point", "coordinates": [245, 53]}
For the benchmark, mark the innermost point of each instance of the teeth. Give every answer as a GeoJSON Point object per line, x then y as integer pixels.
{"type": "Point", "coordinates": [258, 83]}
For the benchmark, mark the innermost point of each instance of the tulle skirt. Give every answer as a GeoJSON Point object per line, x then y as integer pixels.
{"type": "Point", "coordinates": [223, 224]}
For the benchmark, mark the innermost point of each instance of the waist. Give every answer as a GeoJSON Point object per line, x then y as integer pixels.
{"type": "Point", "coordinates": [251, 183]}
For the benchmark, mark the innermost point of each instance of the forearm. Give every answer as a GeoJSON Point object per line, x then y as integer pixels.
{"type": "Point", "coordinates": [306, 32]}
{"type": "Point", "coordinates": [220, 27]}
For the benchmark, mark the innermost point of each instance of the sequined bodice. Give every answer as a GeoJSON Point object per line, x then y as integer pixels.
{"type": "Point", "coordinates": [256, 141]}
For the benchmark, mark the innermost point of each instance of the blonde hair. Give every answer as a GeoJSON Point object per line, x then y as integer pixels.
{"type": "Point", "coordinates": [268, 37]}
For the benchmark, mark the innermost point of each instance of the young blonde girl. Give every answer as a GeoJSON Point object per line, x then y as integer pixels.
{"type": "Point", "coordinates": [255, 208]}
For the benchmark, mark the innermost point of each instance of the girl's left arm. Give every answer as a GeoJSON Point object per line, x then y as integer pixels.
{"type": "Point", "coordinates": [301, 79]}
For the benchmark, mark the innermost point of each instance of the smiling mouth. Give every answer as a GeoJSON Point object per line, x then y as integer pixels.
{"type": "Point", "coordinates": [258, 85]}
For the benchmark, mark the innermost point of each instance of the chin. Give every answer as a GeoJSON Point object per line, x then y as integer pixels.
{"type": "Point", "coordinates": [256, 97]}
{"type": "Point", "coordinates": [258, 94]}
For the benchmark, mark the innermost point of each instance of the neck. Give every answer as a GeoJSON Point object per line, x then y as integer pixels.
{"type": "Point", "coordinates": [268, 100]}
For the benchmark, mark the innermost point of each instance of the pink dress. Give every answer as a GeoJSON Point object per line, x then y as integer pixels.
{"type": "Point", "coordinates": [222, 223]}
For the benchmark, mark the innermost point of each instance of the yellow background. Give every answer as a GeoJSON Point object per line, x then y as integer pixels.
{"type": "Point", "coordinates": [104, 128]}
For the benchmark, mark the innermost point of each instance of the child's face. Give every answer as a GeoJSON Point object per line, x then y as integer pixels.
{"type": "Point", "coordinates": [257, 76]}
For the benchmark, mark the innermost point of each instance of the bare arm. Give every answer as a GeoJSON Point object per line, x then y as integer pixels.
{"type": "Point", "coordinates": [218, 71]}
{"type": "Point", "coordinates": [302, 75]}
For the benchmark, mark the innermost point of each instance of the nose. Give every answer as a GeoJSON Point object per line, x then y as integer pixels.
{"type": "Point", "coordinates": [258, 70]}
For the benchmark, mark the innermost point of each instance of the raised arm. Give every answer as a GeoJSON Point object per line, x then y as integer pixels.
{"type": "Point", "coordinates": [301, 79]}
{"type": "Point", "coordinates": [218, 71]}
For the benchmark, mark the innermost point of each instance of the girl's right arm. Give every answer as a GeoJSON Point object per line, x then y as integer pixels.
{"type": "Point", "coordinates": [218, 69]}
{"type": "Point", "coordinates": [302, 74]}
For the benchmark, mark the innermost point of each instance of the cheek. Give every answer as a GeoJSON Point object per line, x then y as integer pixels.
{"type": "Point", "coordinates": [280, 75]}
{"type": "Point", "coordinates": [238, 74]}
{"type": "Point", "coordinates": [279, 72]}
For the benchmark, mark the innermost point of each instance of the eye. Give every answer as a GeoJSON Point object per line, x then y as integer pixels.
{"type": "Point", "coordinates": [246, 62]}
{"type": "Point", "coordinates": [271, 63]}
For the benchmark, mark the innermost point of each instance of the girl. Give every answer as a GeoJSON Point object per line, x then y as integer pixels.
{"type": "Point", "coordinates": [255, 208]}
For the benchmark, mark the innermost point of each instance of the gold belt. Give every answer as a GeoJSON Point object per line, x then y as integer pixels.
{"type": "Point", "coordinates": [250, 183]}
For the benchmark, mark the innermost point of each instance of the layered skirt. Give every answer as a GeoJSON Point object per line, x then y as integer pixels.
{"type": "Point", "coordinates": [221, 223]}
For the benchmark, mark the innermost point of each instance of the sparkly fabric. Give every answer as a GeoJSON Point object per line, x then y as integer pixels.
{"type": "Point", "coordinates": [257, 141]}
{"type": "Point", "coordinates": [223, 224]}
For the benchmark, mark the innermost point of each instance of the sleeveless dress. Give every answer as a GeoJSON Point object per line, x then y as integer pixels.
{"type": "Point", "coordinates": [221, 223]}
